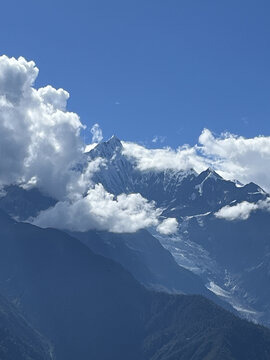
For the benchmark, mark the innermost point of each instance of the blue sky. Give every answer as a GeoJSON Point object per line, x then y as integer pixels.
{"type": "Point", "coordinates": [146, 68]}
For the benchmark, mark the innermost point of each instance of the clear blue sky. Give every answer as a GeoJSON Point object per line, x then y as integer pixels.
{"type": "Point", "coordinates": [150, 67]}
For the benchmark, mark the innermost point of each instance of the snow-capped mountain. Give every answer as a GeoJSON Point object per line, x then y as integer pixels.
{"type": "Point", "coordinates": [181, 193]}
{"type": "Point", "coordinates": [232, 257]}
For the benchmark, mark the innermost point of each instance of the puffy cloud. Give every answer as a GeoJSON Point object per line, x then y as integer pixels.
{"type": "Point", "coordinates": [40, 140]}
{"type": "Point", "coordinates": [237, 212]}
{"type": "Point", "coordinates": [57, 99]}
{"type": "Point", "coordinates": [40, 145]}
{"type": "Point", "coordinates": [233, 157]}
{"type": "Point", "coordinates": [183, 158]}
{"type": "Point", "coordinates": [242, 210]}
{"type": "Point", "coordinates": [236, 157]}
{"type": "Point", "coordinates": [89, 206]}
{"type": "Point", "coordinates": [16, 77]}
{"type": "Point", "coordinates": [101, 210]}
{"type": "Point", "coordinates": [168, 226]}
{"type": "Point", "coordinates": [81, 181]}
{"type": "Point", "coordinates": [96, 132]}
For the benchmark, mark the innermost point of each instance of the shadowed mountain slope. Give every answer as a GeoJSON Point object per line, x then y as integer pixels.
{"type": "Point", "coordinates": [18, 341]}
{"type": "Point", "coordinates": [148, 261]}
{"type": "Point", "coordinates": [89, 307]}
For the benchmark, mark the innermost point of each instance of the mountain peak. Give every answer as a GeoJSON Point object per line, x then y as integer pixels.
{"type": "Point", "coordinates": [114, 141]}
{"type": "Point", "coordinates": [210, 172]}
{"type": "Point", "coordinates": [108, 148]}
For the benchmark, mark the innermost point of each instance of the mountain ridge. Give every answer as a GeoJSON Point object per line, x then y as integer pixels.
{"type": "Point", "coordinates": [81, 301]}
{"type": "Point", "coordinates": [193, 199]}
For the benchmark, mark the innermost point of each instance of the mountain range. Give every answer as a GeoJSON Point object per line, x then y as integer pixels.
{"type": "Point", "coordinates": [229, 256]}
{"type": "Point", "coordinates": [142, 295]}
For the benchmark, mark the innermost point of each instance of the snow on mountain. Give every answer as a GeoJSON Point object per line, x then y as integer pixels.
{"type": "Point", "coordinates": [180, 192]}
{"type": "Point", "coordinates": [231, 257]}
{"type": "Point", "coordinates": [193, 199]}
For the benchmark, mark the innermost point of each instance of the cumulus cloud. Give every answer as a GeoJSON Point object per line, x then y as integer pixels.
{"type": "Point", "coordinates": [56, 99]}
{"type": "Point", "coordinates": [89, 206]}
{"type": "Point", "coordinates": [101, 210]}
{"type": "Point", "coordinates": [236, 157]}
{"type": "Point", "coordinates": [40, 140]}
{"type": "Point", "coordinates": [232, 156]}
{"type": "Point", "coordinates": [242, 210]}
{"type": "Point", "coordinates": [16, 78]}
{"type": "Point", "coordinates": [183, 158]}
{"type": "Point", "coordinates": [96, 132]}
{"type": "Point", "coordinates": [40, 145]}
{"type": "Point", "coordinates": [168, 226]}
{"type": "Point", "coordinates": [81, 181]}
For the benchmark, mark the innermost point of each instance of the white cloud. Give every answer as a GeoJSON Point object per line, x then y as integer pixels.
{"type": "Point", "coordinates": [96, 132]}
{"type": "Point", "coordinates": [236, 157]}
{"type": "Point", "coordinates": [40, 140]}
{"type": "Point", "coordinates": [183, 158]}
{"type": "Point", "coordinates": [16, 77]}
{"type": "Point", "coordinates": [57, 99]}
{"type": "Point", "coordinates": [40, 145]}
{"type": "Point", "coordinates": [89, 206]}
{"type": "Point", "coordinates": [233, 157]}
{"type": "Point", "coordinates": [168, 226]}
{"type": "Point", "coordinates": [101, 210]}
{"type": "Point", "coordinates": [242, 210]}
{"type": "Point", "coordinates": [81, 181]}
